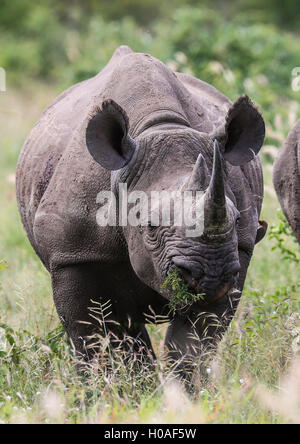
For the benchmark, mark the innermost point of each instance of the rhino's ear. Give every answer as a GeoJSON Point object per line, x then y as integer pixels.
{"type": "Point", "coordinates": [261, 230]}
{"type": "Point", "coordinates": [243, 134]}
{"type": "Point", "coordinates": [107, 137]}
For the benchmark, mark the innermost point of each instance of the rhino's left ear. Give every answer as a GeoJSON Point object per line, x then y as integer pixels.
{"type": "Point", "coordinates": [243, 134]}
{"type": "Point", "coordinates": [261, 230]}
{"type": "Point", "coordinates": [107, 137]}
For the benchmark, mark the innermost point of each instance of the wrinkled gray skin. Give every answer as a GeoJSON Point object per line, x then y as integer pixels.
{"type": "Point", "coordinates": [140, 123]}
{"type": "Point", "coordinates": [286, 179]}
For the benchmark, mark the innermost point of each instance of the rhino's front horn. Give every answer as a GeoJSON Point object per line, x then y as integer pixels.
{"type": "Point", "coordinates": [215, 207]}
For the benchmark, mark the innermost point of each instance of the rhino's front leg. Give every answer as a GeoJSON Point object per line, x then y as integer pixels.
{"type": "Point", "coordinates": [74, 288]}
{"type": "Point", "coordinates": [191, 338]}
{"type": "Point", "coordinates": [85, 304]}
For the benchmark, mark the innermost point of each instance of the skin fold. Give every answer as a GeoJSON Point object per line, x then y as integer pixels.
{"type": "Point", "coordinates": [139, 123]}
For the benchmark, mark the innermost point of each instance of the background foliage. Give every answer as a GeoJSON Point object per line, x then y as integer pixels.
{"type": "Point", "coordinates": [239, 47]}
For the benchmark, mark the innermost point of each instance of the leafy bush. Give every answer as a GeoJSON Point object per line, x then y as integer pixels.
{"type": "Point", "coordinates": [3, 265]}
{"type": "Point", "coordinates": [282, 233]}
{"type": "Point", "coordinates": [87, 54]}
{"type": "Point", "coordinates": [180, 296]}
{"type": "Point", "coordinates": [235, 56]}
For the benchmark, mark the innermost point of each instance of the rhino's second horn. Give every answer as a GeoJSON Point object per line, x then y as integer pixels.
{"type": "Point", "coordinates": [199, 179]}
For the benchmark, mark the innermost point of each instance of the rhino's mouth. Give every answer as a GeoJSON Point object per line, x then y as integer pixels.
{"type": "Point", "coordinates": [210, 295]}
{"type": "Point", "coordinates": [234, 293]}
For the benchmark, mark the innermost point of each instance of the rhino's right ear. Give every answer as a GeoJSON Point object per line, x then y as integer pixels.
{"type": "Point", "coordinates": [107, 137]}
{"type": "Point", "coordinates": [242, 135]}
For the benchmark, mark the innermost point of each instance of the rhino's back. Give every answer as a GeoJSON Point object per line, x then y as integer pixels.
{"type": "Point", "coordinates": [286, 178]}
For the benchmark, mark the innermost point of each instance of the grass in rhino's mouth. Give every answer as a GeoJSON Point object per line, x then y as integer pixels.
{"type": "Point", "coordinates": [180, 295]}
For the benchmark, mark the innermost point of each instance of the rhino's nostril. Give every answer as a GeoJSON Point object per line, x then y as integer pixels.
{"type": "Point", "coordinates": [231, 273]}
{"type": "Point", "coordinates": [236, 268]}
{"type": "Point", "coordinates": [186, 274]}
{"type": "Point", "coordinates": [190, 272]}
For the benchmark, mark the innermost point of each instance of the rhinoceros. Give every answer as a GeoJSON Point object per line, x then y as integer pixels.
{"type": "Point", "coordinates": [286, 179]}
{"type": "Point", "coordinates": [139, 123]}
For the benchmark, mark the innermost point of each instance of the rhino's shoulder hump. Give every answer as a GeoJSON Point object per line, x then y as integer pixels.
{"type": "Point", "coordinates": [80, 93]}
{"type": "Point", "coordinates": [212, 104]}
{"type": "Point", "coordinates": [203, 89]}
{"type": "Point", "coordinates": [121, 51]}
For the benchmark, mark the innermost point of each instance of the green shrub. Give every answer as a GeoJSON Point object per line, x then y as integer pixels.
{"type": "Point", "coordinates": [180, 296]}
{"type": "Point", "coordinates": [235, 56]}
{"type": "Point", "coordinates": [285, 240]}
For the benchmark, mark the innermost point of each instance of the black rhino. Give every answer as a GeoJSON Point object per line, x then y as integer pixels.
{"type": "Point", "coordinates": [140, 124]}
{"type": "Point", "coordinates": [286, 179]}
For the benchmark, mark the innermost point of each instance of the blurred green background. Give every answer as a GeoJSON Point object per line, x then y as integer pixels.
{"type": "Point", "coordinates": [245, 46]}
{"type": "Point", "coordinates": [239, 47]}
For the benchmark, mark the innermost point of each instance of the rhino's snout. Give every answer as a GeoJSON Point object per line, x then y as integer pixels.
{"type": "Point", "coordinates": [190, 271]}
{"type": "Point", "coordinates": [217, 288]}
{"type": "Point", "coordinates": [214, 286]}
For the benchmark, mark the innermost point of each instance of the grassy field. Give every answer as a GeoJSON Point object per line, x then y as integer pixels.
{"type": "Point", "coordinates": [253, 379]}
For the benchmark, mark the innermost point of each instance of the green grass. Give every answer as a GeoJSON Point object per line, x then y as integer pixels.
{"type": "Point", "coordinates": [38, 383]}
